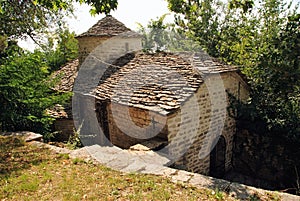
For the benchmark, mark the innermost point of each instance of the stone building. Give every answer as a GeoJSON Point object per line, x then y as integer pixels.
{"type": "Point", "coordinates": [104, 29]}
{"type": "Point", "coordinates": [175, 103]}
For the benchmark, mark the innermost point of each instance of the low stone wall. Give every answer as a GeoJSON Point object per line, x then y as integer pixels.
{"type": "Point", "coordinates": [271, 159]}
{"type": "Point", "coordinates": [129, 161]}
{"type": "Point", "coordinates": [65, 127]}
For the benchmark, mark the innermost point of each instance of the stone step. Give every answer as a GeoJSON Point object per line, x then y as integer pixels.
{"type": "Point", "coordinates": [26, 135]}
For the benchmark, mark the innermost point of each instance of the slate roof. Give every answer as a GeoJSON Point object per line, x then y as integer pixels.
{"type": "Point", "coordinates": [211, 65]}
{"type": "Point", "coordinates": [158, 82]}
{"type": "Point", "coordinates": [108, 26]}
{"type": "Point", "coordinates": [66, 75]}
{"type": "Point", "coordinates": [58, 111]}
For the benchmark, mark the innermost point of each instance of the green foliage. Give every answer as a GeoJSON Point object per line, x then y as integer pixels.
{"type": "Point", "coordinates": [263, 39]}
{"type": "Point", "coordinates": [154, 35]}
{"type": "Point", "coordinates": [245, 5]}
{"type": "Point", "coordinates": [277, 81]}
{"type": "Point", "coordinates": [103, 6]}
{"type": "Point", "coordinates": [218, 194]}
{"type": "Point", "coordinates": [25, 92]}
{"type": "Point", "coordinates": [3, 43]}
{"type": "Point", "coordinates": [74, 141]}
{"type": "Point", "coordinates": [200, 21]}
{"type": "Point", "coordinates": [28, 18]}
{"type": "Point", "coordinates": [65, 50]}
{"type": "Point", "coordinates": [159, 36]}
{"type": "Point", "coordinates": [36, 18]}
{"type": "Point", "coordinates": [254, 197]}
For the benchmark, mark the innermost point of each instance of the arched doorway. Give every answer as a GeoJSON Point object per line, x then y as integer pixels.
{"type": "Point", "coordinates": [217, 159]}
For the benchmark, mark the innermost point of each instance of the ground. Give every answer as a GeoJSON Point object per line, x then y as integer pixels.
{"type": "Point", "coordinates": [29, 172]}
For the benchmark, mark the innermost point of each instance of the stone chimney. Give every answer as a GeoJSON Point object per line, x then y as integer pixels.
{"type": "Point", "coordinates": [105, 29]}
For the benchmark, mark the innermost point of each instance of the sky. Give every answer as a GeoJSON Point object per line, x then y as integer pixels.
{"type": "Point", "coordinates": [129, 12]}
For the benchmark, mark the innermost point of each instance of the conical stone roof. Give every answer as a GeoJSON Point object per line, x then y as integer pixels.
{"type": "Point", "coordinates": [107, 26]}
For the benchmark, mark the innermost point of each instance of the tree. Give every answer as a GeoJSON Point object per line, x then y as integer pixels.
{"type": "Point", "coordinates": [159, 36]}
{"type": "Point", "coordinates": [61, 48]}
{"type": "Point", "coordinates": [260, 37]}
{"type": "Point", "coordinates": [34, 17]}
{"type": "Point", "coordinates": [200, 20]}
{"type": "Point", "coordinates": [276, 81]}
{"type": "Point", "coordinates": [155, 34]}
{"type": "Point", "coordinates": [30, 18]}
{"type": "Point", "coordinates": [25, 92]}
{"type": "Point", "coordinates": [103, 6]}
{"type": "Point", "coordinates": [25, 88]}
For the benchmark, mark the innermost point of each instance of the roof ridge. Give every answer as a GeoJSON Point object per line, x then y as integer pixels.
{"type": "Point", "coordinates": [107, 26]}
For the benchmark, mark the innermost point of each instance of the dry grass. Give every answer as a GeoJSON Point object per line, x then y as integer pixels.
{"type": "Point", "coordinates": [32, 173]}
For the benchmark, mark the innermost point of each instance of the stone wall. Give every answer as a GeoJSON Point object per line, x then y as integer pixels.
{"type": "Point", "coordinates": [65, 127]}
{"type": "Point", "coordinates": [87, 45]}
{"type": "Point", "coordinates": [269, 161]}
{"type": "Point", "coordinates": [117, 45]}
{"type": "Point", "coordinates": [189, 134]}
{"type": "Point", "coordinates": [211, 101]}
{"type": "Point", "coordinates": [129, 125]}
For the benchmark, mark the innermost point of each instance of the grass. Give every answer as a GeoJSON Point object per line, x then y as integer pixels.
{"type": "Point", "coordinates": [32, 173]}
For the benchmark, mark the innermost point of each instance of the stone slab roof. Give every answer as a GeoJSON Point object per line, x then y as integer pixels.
{"type": "Point", "coordinates": [211, 65]}
{"type": "Point", "coordinates": [158, 82]}
{"type": "Point", "coordinates": [108, 26]}
{"type": "Point", "coordinates": [58, 111]}
{"type": "Point", "coordinates": [66, 75]}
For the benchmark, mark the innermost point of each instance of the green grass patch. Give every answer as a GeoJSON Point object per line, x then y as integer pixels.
{"type": "Point", "coordinates": [32, 173]}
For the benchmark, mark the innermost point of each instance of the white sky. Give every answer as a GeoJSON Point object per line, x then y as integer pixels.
{"type": "Point", "coordinates": [128, 12]}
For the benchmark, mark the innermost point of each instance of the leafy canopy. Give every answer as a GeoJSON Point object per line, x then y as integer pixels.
{"type": "Point", "coordinates": [33, 17]}
{"type": "Point", "coordinates": [262, 37]}
{"type": "Point", "coordinates": [25, 91]}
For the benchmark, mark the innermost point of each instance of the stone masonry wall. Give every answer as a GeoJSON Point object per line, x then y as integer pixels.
{"type": "Point", "coordinates": [87, 45]}
{"type": "Point", "coordinates": [271, 162]}
{"type": "Point", "coordinates": [129, 126]}
{"type": "Point", "coordinates": [118, 45]}
{"type": "Point", "coordinates": [65, 128]}
{"type": "Point", "coordinates": [210, 118]}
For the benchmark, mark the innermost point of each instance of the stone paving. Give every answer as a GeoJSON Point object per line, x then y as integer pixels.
{"type": "Point", "coordinates": [26, 135]}
{"type": "Point", "coordinates": [139, 159]}
{"type": "Point", "coordinates": [148, 162]}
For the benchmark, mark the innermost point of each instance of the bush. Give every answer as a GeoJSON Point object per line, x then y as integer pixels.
{"type": "Point", "coordinates": [25, 92]}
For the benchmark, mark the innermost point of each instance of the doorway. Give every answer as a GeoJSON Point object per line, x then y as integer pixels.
{"type": "Point", "coordinates": [217, 159]}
